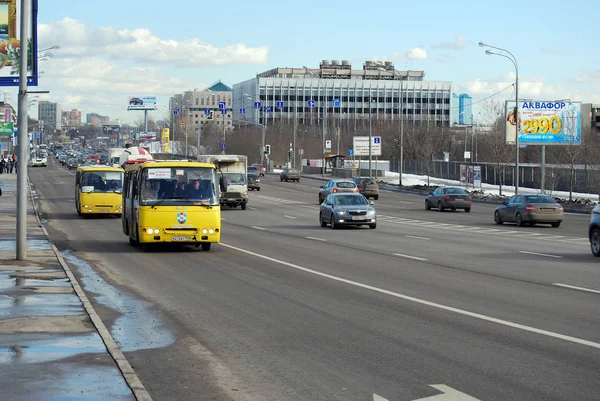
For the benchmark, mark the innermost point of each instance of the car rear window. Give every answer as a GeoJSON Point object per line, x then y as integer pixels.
{"type": "Point", "coordinates": [252, 176]}
{"type": "Point", "coordinates": [292, 170]}
{"type": "Point", "coordinates": [346, 184]}
{"type": "Point", "coordinates": [455, 191]}
{"type": "Point", "coordinates": [539, 199]}
{"type": "Point", "coordinates": [369, 181]}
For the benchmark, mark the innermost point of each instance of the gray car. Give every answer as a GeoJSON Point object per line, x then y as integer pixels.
{"type": "Point", "coordinates": [336, 186]}
{"type": "Point", "coordinates": [289, 174]}
{"type": "Point", "coordinates": [449, 198]}
{"type": "Point", "coordinates": [530, 209]}
{"type": "Point", "coordinates": [347, 209]}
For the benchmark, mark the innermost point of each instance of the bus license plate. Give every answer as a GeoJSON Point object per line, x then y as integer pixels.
{"type": "Point", "coordinates": [180, 238]}
{"type": "Point", "coordinates": [104, 211]}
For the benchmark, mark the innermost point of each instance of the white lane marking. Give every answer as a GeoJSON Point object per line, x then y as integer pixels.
{"type": "Point", "coordinates": [421, 238]}
{"type": "Point", "coordinates": [289, 217]}
{"type": "Point", "coordinates": [577, 288]}
{"type": "Point", "coordinates": [448, 394]}
{"type": "Point", "coordinates": [252, 208]}
{"type": "Point", "coordinates": [410, 257]}
{"type": "Point", "coordinates": [421, 301]}
{"type": "Point", "coordinates": [258, 228]}
{"type": "Point", "coordinates": [316, 239]}
{"type": "Point", "coordinates": [541, 254]}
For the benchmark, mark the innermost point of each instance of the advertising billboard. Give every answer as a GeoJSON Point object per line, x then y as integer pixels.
{"type": "Point", "coordinates": [141, 102]}
{"type": "Point", "coordinates": [544, 122]}
{"type": "Point", "coordinates": [166, 133]}
{"type": "Point", "coordinates": [10, 44]}
{"type": "Point", "coordinates": [6, 129]}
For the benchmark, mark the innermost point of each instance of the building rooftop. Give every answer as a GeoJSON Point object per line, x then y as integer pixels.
{"type": "Point", "coordinates": [219, 87]}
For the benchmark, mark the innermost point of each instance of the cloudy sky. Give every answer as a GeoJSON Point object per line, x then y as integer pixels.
{"type": "Point", "coordinates": [114, 49]}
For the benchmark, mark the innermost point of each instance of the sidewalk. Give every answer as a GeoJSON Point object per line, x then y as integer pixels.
{"type": "Point", "coordinates": [53, 346]}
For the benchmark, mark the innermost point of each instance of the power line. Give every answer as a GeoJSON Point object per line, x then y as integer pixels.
{"type": "Point", "coordinates": [486, 98]}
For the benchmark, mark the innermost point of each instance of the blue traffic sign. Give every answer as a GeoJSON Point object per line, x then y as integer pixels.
{"type": "Point", "coordinates": [335, 102]}
{"type": "Point", "coordinates": [350, 152]}
{"type": "Point", "coordinates": [242, 111]}
{"type": "Point", "coordinates": [222, 105]}
{"type": "Point", "coordinates": [279, 105]}
{"type": "Point", "coordinates": [175, 111]}
{"type": "Point", "coordinates": [311, 103]}
{"type": "Point", "coordinates": [223, 145]}
{"type": "Point", "coordinates": [268, 110]}
{"type": "Point", "coordinates": [257, 105]}
{"type": "Point", "coordinates": [223, 111]}
{"type": "Point", "coordinates": [376, 140]}
{"type": "Point", "coordinates": [207, 112]}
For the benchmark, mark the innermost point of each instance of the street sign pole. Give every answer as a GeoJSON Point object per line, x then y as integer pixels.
{"type": "Point", "coordinates": [21, 240]}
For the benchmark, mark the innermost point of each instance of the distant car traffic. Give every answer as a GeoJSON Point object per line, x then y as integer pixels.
{"type": "Point", "coordinates": [367, 186]}
{"type": "Point", "coordinates": [449, 198]}
{"type": "Point", "coordinates": [253, 181]}
{"type": "Point", "coordinates": [260, 168]}
{"type": "Point", "coordinates": [335, 186]}
{"type": "Point", "coordinates": [347, 209]}
{"type": "Point", "coordinates": [289, 174]}
{"type": "Point", "coordinates": [530, 209]}
{"type": "Point", "coordinates": [252, 170]}
{"type": "Point", "coordinates": [594, 231]}
{"type": "Point", "coordinates": [39, 162]}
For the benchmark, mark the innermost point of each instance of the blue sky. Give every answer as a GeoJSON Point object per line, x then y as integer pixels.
{"type": "Point", "coordinates": [113, 49]}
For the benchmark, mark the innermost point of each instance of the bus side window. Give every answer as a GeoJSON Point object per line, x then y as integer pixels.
{"type": "Point", "coordinates": [125, 186]}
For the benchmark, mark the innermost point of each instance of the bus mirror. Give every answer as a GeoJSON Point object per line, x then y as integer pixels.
{"type": "Point", "coordinates": [87, 189]}
{"type": "Point", "coordinates": [223, 183]}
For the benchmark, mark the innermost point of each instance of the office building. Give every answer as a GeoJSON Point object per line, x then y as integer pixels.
{"type": "Point", "coordinates": [335, 89]}
{"type": "Point", "coordinates": [590, 116]}
{"type": "Point", "coordinates": [198, 108]}
{"type": "Point", "coordinates": [72, 118]}
{"type": "Point", "coordinates": [462, 112]}
{"type": "Point", "coordinates": [50, 115]}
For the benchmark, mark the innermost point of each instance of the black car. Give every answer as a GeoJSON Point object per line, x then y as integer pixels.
{"type": "Point", "coordinates": [253, 181]}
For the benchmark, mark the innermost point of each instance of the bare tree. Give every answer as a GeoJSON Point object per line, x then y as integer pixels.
{"type": "Point", "coordinates": [494, 142]}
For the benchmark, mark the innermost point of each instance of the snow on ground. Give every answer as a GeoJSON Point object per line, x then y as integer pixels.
{"type": "Point", "coordinates": [410, 180]}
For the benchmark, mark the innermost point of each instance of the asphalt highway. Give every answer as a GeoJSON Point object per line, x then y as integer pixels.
{"type": "Point", "coordinates": [286, 310]}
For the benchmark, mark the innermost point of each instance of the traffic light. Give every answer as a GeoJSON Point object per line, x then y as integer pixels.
{"type": "Point", "coordinates": [267, 150]}
{"type": "Point", "coordinates": [210, 116]}
{"type": "Point", "coordinates": [290, 154]}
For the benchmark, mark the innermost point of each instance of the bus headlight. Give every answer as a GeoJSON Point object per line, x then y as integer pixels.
{"type": "Point", "coordinates": [204, 231]}
{"type": "Point", "coordinates": [211, 231]}
{"type": "Point", "coordinates": [156, 231]}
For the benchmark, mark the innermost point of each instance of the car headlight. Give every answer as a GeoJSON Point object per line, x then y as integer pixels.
{"type": "Point", "coordinates": [371, 213]}
{"type": "Point", "coordinates": [341, 212]}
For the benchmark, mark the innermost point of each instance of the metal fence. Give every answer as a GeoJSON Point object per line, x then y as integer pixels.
{"type": "Point", "coordinates": [587, 178]}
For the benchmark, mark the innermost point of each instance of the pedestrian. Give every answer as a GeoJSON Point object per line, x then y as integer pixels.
{"type": "Point", "coordinates": [2, 166]}
{"type": "Point", "coordinates": [11, 164]}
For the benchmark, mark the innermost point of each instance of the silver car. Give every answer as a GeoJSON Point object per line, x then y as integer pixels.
{"type": "Point", "coordinates": [347, 209]}
{"type": "Point", "coordinates": [336, 186]}
{"type": "Point", "coordinates": [449, 198]}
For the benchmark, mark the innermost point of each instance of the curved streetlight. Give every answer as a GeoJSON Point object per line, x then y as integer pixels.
{"type": "Point", "coordinates": [55, 47]}
{"type": "Point", "coordinates": [506, 54]}
{"type": "Point", "coordinates": [324, 118]}
{"type": "Point", "coordinates": [262, 130]}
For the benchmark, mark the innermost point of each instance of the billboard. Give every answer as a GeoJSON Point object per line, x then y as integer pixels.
{"type": "Point", "coordinates": [166, 133]}
{"type": "Point", "coordinates": [141, 102]}
{"type": "Point", "coordinates": [6, 129]}
{"type": "Point", "coordinates": [361, 146]}
{"type": "Point", "coordinates": [10, 34]}
{"type": "Point", "coordinates": [544, 122]}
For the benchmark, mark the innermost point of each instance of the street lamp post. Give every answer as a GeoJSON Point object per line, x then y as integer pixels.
{"type": "Point", "coordinates": [513, 59]}
{"type": "Point", "coordinates": [324, 131]}
{"type": "Point", "coordinates": [262, 129]}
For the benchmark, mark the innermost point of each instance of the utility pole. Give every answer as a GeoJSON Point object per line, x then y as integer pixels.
{"type": "Point", "coordinates": [23, 138]}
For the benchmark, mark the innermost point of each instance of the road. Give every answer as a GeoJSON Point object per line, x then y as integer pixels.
{"type": "Point", "coordinates": [286, 310]}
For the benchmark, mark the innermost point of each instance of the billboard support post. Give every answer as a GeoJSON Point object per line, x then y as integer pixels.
{"type": "Point", "coordinates": [543, 171]}
{"type": "Point", "coordinates": [21, 240]}
{"type": "Point", "coordinates": [146, 121]}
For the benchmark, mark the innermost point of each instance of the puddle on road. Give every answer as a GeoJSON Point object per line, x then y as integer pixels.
{"type": "Point", "coordinates": [7, 282]}
{"type": "Point", "coordinates": [139, 327]}
{"type": "Point", "coordinates": [32, 245]}
{"type": "Point", "coordinates": [20, 305]}
{"type": "Point", "coordinates": [38, 349]}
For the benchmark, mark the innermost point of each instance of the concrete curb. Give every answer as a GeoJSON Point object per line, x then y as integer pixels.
{"type": "Point", "coordinates": [406, 191]}
{"type": "Point", "coordinates": [131, 378]}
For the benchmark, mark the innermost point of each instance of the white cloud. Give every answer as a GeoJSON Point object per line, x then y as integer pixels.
{"type": "Point", "coordinates": [460, 42]}
{"type": "Point", "coordinates": [416, 53]}
{"type": "Point", "coordinates": [141, 45]}
{"type": "Point", "coordinates": [533, 88]}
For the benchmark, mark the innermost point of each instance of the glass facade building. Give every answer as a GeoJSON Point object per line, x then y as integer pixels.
{"type": "Point", "coordinates": [336, 92]}
{"type": "Point", "coordinates": [462, 112]}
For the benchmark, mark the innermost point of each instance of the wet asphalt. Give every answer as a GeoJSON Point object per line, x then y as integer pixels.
{"type": "Point", "coordinates": [49, 348]}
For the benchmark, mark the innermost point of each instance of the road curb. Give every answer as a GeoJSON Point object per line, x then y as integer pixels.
{"type": "Point", "coordinates": [131, 378]}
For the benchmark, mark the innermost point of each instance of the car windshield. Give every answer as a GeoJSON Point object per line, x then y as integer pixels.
{"type": "Point", "coordinates": [455, 191]}
{"type": "Point", "coordinates": [235, 178]}
{"type": "Point", "coordinates": [346, 184]}
{"type": "Point", "coordinates": [350, 200]}
{"type": "Point", "coordinates": [103, 181]}
{"type": "Point", "coordinates": [539, 199]}
{"type": "Point", "coordinates": [179, 186]}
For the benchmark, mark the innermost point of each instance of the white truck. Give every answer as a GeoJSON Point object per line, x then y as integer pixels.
{"type": "Point", "coordinates": [114, 156]}
{"type": "Point", "coordinates": [234, 169]}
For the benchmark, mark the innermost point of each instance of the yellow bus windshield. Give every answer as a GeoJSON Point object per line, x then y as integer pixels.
{"type": "Point", "coordinates": [102, 181]}
{"type": "Point", "coordinates": [179, 186]}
